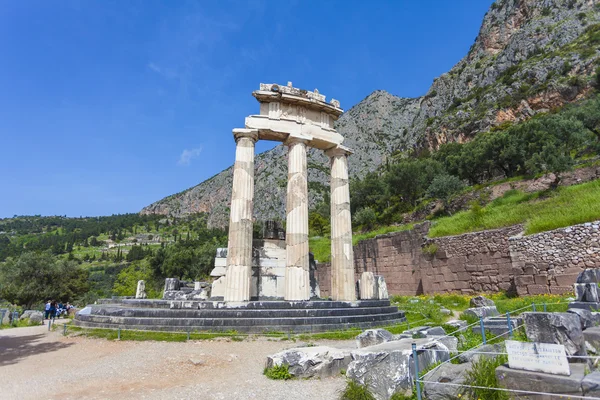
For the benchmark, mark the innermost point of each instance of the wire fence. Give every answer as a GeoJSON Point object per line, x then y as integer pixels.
{"type": "Point", "coordinates": [534, 307]}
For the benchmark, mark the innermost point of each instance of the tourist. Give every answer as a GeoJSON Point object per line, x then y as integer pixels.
{"type": "Point", "coordinates": [47, 310]}
{"type": "Point", "coordinates": [53, 309]}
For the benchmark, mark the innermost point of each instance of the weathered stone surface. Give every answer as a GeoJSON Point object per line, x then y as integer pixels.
{"type": "Point", "coordinates": [309, 362]}
{"type": "Point", "coordinates": [541, 382]}
{"type": "Point", "coordinates": [34, 317]}
{"type": "Point", "coordinates": [481, 312]}
{"type": "Point", "coordinates": [475, 354]}
{"type": "Point", "coordinates": [373, 364]}
{"type": "Point", "coordinates": [589, 276]}
{"type": "Point", "coordinates": [591, 384]}
{"type": "Point", "coordinates": [4, 316]}
{"type": "Point", "coordinates": [367, 286]}
{"type": "Point", "coordinates": [434, 388]}
{"type": "Point", "coordinates": [585, 316]}
{"type": "Point", "coordinates": [172, 284]}
{"type": "Point", "coordinates": [140, 292]}
{"type": "Point", "coordinates": [457, 323]}
{"type": "Point", "coordinates": [586, 292]}
{"type": "Point", "coordinates": [382, 291]}
{"type": "Point", "coordinates": [372, 337]}
{"type": "Point", "coordinates": [481, 301]}
{"type": "Point", "coordinates": [559, 328]}
{"type": "Point", "coordinates": [592, 336]}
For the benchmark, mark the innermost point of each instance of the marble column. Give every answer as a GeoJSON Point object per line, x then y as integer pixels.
{"type": "Point", "coordinates": [239, 248]}
{"type": "Point", "coordinates": [342, 257]}
{"type": "Point", "coordinates": [297, 273]}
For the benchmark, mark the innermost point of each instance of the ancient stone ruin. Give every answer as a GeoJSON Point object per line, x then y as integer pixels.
{"type": "Point", "coordinates": [270, 284]}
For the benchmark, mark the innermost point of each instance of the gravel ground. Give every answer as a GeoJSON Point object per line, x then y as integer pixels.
{"type": "Point", "coordinates": [37, 364]}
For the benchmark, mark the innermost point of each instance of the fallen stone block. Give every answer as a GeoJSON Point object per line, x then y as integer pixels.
{"type": "Point", "coordinates": [434, 387]}
{"type": "Point", "coordinates": [591, 384]}
{"type": "Point", "coordinates": [585, 316]}
{"type": "Point", "coordinates": [558, 328]}
{"type": "Point", "coordinates": [480, 301]}
{"type": "Point", "coordinates": [584, 305]}
{"type": "Point", "coordinates": [484, 351]}
{"type": "Point", "coordinates": [481, 312]}
{"type": "Point", "coordinates": [592, 336]}
{"type": "Point", "coordinates": [457, 323]}
{"type": "Point", "coordinates": [372, 337]}
{"type": "Point", "coordinates": [589, 276]}
{"type": "Point", "coordinates": [388, 367]}
{"type": "Point", "coordinates": [309, 362]}
{"type": "Point", "coordinates": [586, 292]}
{"type": "Point", "coordinates": [517, 379]}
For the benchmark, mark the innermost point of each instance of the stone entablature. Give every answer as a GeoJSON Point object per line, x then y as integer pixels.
{"type": "Point", "coordinates": [300, 119]}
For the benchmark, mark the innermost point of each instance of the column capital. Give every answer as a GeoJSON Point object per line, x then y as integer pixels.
{"type": "Point", "coordinates": [296, 139]}
{"type": "Point", "coordinates": [239, 133]}
{"type": "Point", "coordinates": [338, 151]}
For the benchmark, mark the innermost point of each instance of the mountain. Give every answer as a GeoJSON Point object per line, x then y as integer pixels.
{"type": "Point", "coordinates": [530, 57]}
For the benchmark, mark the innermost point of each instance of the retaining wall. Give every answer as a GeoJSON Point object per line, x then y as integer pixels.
{"type": "Point", "coordinates": [488, 261]}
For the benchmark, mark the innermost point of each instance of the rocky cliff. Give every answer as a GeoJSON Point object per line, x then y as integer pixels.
{"type": "Point", "coordinates": [530, 56]}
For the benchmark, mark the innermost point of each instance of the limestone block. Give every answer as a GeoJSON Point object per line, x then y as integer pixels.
{"type": "Point", "coordinates": [382, 292]}
{"type": "Point", "coordinates": [542, 382]}
{"type": "Point", "coordinates": [481, 301]}
{"type": "Point", "coordinates": [218, 287]}
{"type": "Point", "coordinates": [34, 317]}
{"type": "Point", "coordinates": [309, 362]}
{"type": "Point", "coordinates": [589, 276]}
{"type": "Point", "coordinates": [447, 373]}
{"type": "Point", "coordinates": [372, 337]}
{"type": "Point", "coordinates": [558, 328]}
{"type": "Point", "coordinates": [585, 316]}
{"type": "Point", "coordinates": [367, 286]}
{"type": "Point", "coordinates": [374, 364]}
{"type": "Point", "coordinates": [172, 284]}
{"type": "Point", "coordinates": [587, 292]}
{"type": "Point", "coordinates": [4, 316]}
{"type": "Point", "coordinates": [590, 384]}
{"type": "Point", "coordinates": [140, 292]}
{"type": "Point", "coordinates": [481, 312]}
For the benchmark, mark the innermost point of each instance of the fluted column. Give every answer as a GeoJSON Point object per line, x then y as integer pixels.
{"type": "Point", "coordinates": [239, 247]}
{"type": "Point", "coordinates": [297, 278]}
{"type": "Point", "coordinates": [342, 257]}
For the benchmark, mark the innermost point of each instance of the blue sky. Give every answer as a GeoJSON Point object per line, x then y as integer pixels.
{"type": "Point", "coordinates": [107, 106]}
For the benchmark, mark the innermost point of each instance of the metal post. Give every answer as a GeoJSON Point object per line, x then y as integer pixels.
{"type": "Point", "coordinates": [482, 330]}
{"type": "Point", "coordinates": [49, 323]}
{"type": "Point", "coordinates": [416, 360]}
{"type": "Point", "coordinates": [65, 330]}
{"type": "Point", "coordinates": [188, 334]}
{"type": "Point", "coordinates": [510, 331]}
{"type": "Point", "coordinates": [15, 318]}
{"type": "Point", "coordinates": [533, 306]}
{"type": "Point", "coordinates": [545, 310]}
{"type": "Point", "coordinates": [119, 333]}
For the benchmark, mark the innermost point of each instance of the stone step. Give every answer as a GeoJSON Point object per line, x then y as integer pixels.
{"type": "Point", "coordinates": [318, 304]}
{"type": "Point", "coordinates": [248, 329]}
{"type": "Point", "coordinates": [233, 322]}
{"type": "Point", "coordinates": [237, 313]}
{"type": "Point", "coordinates": [498, 325]}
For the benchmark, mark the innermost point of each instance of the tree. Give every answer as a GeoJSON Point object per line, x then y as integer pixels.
{"type": "Point", "coordinates": [127, 279]}
{"type": "Point", "coordinates": [318, 223]}
{"type": "Point", "coordinates": [35, 277]}
{"type": "Point", "coordinates": [366, 218]}
{"type": "Point", "coordinates": [443, 187]}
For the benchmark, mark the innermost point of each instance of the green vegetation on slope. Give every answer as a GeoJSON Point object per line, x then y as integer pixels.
{"type": "Point", "coordinates": [563, 207]}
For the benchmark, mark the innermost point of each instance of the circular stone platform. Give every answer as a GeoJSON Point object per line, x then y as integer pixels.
{"type": "Point", "coordinates": [247, 317]}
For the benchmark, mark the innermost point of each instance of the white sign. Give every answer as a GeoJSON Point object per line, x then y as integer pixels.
{"type": "Point", "coordinates": [539, 357]}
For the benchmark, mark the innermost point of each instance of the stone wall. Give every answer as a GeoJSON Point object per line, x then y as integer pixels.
{"type": "Point", "coordinates": [487, 261]}
{"type": "Point", "coordinates": [549, 262]}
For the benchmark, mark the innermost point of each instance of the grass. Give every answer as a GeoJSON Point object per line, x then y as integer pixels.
{"type": "Point", "coordinates": [356, 391]}
{"type": "Point", "coordinates": [112, 334]}
{"type": "Point", "coordinates": [278, 372]}
{"type": "Point", "coordinates": [321, 246]}
{"type": "Point", "coordinates": [483, 374]}
{"type": "Point", "coordinates": [566, 206]}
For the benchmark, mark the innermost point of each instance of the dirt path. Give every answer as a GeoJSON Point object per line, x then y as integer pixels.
{"type": "Point", "coordinates": [37, 364]}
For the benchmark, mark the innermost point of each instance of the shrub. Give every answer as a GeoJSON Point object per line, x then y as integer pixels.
{"type": "Point", "coordinates": [356, 391]}
{"type": "Point", "coordinates": [445, 186]}
{"type": "Point", "coordinates": [483, 374]}
{"type": "Point", "coordinates": [278, 372]}
{"type": "Point", "coordinates": [430, 249]}
{"type": "Point", "coordinates": [365, 217]}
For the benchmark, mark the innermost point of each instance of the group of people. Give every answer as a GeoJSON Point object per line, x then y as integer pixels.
{"type": "Point", "coordinates": [55, 309]}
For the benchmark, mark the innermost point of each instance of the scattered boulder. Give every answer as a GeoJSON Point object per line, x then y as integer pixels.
{"type": "Point", "coordinates": [309, 362]}
{"type": "Point", "coordinates": [446, 373]}
{"type": "Point", "coordinates": [592, 336]}
{"type": "Point", "coordinates": [558, 328]}
{"type": "Point", "coordinates": [457, 323]}
{"type": "Point", "coordinates": [445, 311]}
{"type": "Point", "coordinates": [4, 316]}
{"type": "Point", "coordinates": [372, 337]}
{"type": "Point", "coordinates": [481, 312]}
{"type": "Point", "coordinates": [34, 317]}
{"type": "Point", "coordinates": [425, 331]}
{"type": "Point", "coordinates": [481, 301]}
{"type": "Point", "coordinates": [388, 367]}
{"type": "Point", "coordinates": [585, 316]}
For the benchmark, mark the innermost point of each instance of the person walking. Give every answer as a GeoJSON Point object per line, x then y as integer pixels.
{"type": "Point", "coordinates": [53, 309]}
{"type": "Point", "coordinates": [47, 310]}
